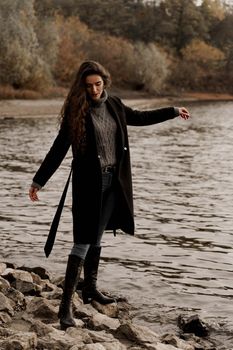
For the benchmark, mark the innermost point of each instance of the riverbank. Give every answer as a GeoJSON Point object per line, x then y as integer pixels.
{"type": "Point", "coordinates": [30, 299]}
{"type": "Point", "coordinates": [51, 107]}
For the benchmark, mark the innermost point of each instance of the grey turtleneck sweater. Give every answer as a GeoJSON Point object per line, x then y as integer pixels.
{"type": "Point", "coordinates": [105, 131]}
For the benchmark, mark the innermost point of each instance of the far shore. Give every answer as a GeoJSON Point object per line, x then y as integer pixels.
{"type": "Point", "coordinates": [10, 108]}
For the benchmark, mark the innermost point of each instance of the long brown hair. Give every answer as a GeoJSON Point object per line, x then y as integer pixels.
{"type": "Point", "coordinates": [76, 104]}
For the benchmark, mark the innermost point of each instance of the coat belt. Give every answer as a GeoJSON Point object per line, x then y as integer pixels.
{"type": "Point", "coordinates": [53, 229]}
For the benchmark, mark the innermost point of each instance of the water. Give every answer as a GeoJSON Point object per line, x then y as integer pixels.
{"type": "Point", "coordinates": [181, 258]}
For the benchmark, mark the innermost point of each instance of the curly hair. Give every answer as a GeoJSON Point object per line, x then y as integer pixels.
{"type": "Point", "coordinates": [76, 105]}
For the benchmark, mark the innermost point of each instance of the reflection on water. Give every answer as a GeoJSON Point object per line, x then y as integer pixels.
{"type": "Point", "coordinates": [181, 257]}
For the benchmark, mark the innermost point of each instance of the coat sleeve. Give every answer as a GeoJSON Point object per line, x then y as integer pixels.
{"type": "Point", "coordinates": [53, 158]}
{"type": "Point", "coordinates": [141, 118]}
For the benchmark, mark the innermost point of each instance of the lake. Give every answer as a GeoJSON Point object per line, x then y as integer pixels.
{"type": "Point", "coordinates": [180, 259]}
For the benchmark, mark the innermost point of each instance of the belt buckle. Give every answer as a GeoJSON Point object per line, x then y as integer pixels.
{"type": "Point", "coordinates": [108, 169]}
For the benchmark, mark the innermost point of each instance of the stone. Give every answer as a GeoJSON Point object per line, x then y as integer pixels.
{"type": "Point", "coordinates": [50, 290]}
{"type": "Point", "coordinates": [107, 339]}
{"type": "Point", "coordinates": [36, 279]}
{"type": "Point", "coordinates": [193, 324]}
{"type": "Point", "coordinates": [177, 342]}
{"type": "Point", "coordinates": [93, 347]}
{"type": "Point", "coordinates": [100, 336]}
{"type": "Point", "coordinates": [160, 346]}
{"type": "Point", "coordinates": [103, 322]}
{"type": "Point", "coordinates": [40, 271]}
{"type": "Point", "coordinates": [198, 343]}
{"type": "Point", "coordinates": [79, 334]}
{"type": "Point", "coordinates": [19, 341]}
{"type": "Point", "coordinates": [16, 298]}
{"type": "Point", "coordinates": [10, 265]}
{"type": "Point", "coordinates": [137, 333]}
{"type": "Point", "coordinates": [40, 328]}
{"type": "Point", "coordinates": [28, 315]}
{"type": "Point", "coordinates": [4, 284]}
{"type": "Point", "coordinates": [42, 308]}
{"type": "Point", "coordinates": [21, 280]}
{"type": "Point", "coordinates": [110, 310]}
{"type": "Point", "coordinates": [83, 311]}
{"type": "Point", "coordinates": [5, 304]}
{"type": "Point", "coordinates": [5, 332]}
{"type": "Point", "coordinates": [4, 318]}
{"type": "Point", "coordinates": [115, 345]}
{"type": "Point", "coordinates": [12, 274]}
{"type": "Point", "coordinates": [2, 268]}
{"type": "Point", "coordinates": [57, 340]}
{"type": "Point", "coordinates": [58, 281]}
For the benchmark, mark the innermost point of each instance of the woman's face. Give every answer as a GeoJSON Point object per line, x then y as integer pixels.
{"type": "Point", "coordinates": [94, 86]}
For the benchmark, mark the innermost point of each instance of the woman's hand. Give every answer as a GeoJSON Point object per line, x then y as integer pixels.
{"type": "Point", "coordinates": [184, 113]}
{"type": "Point", "coordinates": [33, 193]}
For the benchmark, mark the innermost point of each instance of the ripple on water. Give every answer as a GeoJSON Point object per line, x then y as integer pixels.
{"type": "Point", "coordinates": [181, 257]}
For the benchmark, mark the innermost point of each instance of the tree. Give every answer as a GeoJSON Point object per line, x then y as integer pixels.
{"type": "Point", "coordinates": [181, 21]}
{"type": "Point", "coordinates": [20, 62]}
{"type": "Point", "coordinates": [200, 67]}
{"type": "Point", "coordinates": [151, 67]}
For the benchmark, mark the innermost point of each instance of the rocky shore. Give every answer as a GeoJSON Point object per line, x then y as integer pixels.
{"type": "Point", "coordinates": [29, 301]}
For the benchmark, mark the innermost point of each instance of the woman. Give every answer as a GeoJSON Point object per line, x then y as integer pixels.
{"type": "Point", "coordinates": [95, 125]}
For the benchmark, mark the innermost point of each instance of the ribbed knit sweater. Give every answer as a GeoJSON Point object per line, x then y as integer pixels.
{"type": "Point", "coordinates": [105, 131]}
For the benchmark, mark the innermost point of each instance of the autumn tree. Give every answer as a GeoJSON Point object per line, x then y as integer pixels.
{"type": "Point", "coordinates": [200, 66]}
{"type": "Point", "coordinates": [20, 62]}
{"type": "Point", "coordinates": [74, 36]}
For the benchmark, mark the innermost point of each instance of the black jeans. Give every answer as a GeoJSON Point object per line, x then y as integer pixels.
{"type": "Point", "coordinates": [108, 204]}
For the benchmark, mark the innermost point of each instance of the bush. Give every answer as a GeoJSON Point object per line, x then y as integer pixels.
{"type": "Point", "coordinates": [20, 62]}
{"type": "Point", "coordinates": [150, 67]}
{"type": "Point", "coordinates": [73, 38]}
{"type": "Point", "coordinates": [199, 68]}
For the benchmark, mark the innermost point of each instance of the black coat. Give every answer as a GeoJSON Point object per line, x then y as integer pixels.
{"type": "Point", "coordinates": [87, 179]}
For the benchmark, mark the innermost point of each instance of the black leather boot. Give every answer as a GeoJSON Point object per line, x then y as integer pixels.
{"type": "Point", "coordinates": [89, 291]}
{"type": "Point", "coordinates": [73, 271]}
